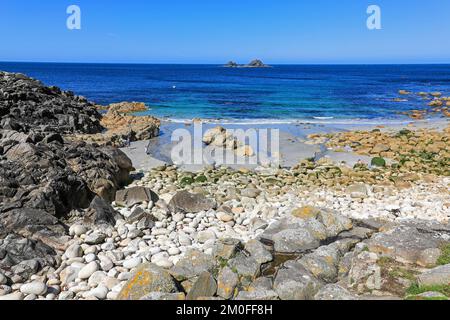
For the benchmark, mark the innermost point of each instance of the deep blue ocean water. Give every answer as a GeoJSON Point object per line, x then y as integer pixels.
{"type": "Point", "coordinates": [284, 92]}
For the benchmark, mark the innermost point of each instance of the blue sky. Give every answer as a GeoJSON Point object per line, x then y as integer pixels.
{"type": "Point", "coordinates": [216, 31]}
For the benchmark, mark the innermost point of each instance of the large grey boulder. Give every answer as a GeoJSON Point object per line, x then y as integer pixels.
{"type": "Point", "coordinates": [323, 262]}
{"type": "Point", "coordinates": [33, 224]}
{"type": "Point", "coordinates": [227, 281]}
{"type": "Point", "coordinates": [258, 294]}
{"type": "Point", "coordinates": [204, 287]}
{"type": "Point", "coordinates": [294, 282]}
{"type": "Point", "coordinates": [258, 251]}
{"type": "Point", "coordinates": [27, 103]}
{"type": "Point", "coordinates": [57, 177]}
{"type": "Point", "coordinates": [335, 292]}
{"type": "Point", "coordinates": [245, 266]}
{"type": "Point", "coordinates": [298, 233]}
{"type": "Point", "coordinates": [188, 202]}
{"type": "Point", "coordinates": [36, 175]}
{"type": "Point", "coordinates": [147, 278]}
{"type": "Point", "coordinates": [191, 265]}
{"type": "Point", "coordinates": [135, 195]}
{"type": "Point", "coordinates": [436, 276]}
{"type": "Point", "coordinates": [101, 212]}
{"type": "Point", "coordinates": [411, 243]}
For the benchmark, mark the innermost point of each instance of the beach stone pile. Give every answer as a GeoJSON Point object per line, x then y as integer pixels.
{"type": "Point", "coordinates": [272, 225]}
{"type": "Point", "coordinates": [313, 253]}
{"type": "Point", "coordinates": [366, 260]}
{"type": "Point", "coordinates": [236, 234]}
{"type": "Point", "coordinates": [220, 138]}
{"type": "Point", "coordinates": [26, 104]}
{"type": "Point", "coordinates": [424, 150]}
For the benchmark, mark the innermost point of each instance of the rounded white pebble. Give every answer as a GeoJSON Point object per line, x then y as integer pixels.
{"type": "Point", "coordinates": [13, 296]}
{"type": "Point", "coordinates": [77, 230]}
{"type": "Point", "coordinates": [100, 292]}
{"type": "Point", "coordinates": [88, 270]}
{"type": "Point", "coordinates": [132, 263]}
{"type": "Point", "coordinates": [74, 251]}
{"type": "Point", "coordinates": [90, 257]}
{"type": "Point", "coordinates": [164, 263]}
{"type": "Point", "coordinates": [36, 288]}
{"type": "Point", "coordinates": [173, 251]}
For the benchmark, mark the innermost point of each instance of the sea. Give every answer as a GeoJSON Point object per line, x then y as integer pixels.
{"type": "Point", "coordinates": [280, 94]}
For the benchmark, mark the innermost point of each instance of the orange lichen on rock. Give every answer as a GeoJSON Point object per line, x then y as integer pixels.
{"type": "Point", "coordinates": [148, 278]}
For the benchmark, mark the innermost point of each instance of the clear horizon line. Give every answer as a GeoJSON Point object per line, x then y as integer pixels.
{"type": "Point", "coordinates": [198, 63]}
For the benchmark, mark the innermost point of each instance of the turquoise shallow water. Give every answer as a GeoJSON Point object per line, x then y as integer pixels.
{"type": "Point", "coordinates": [284, 93]}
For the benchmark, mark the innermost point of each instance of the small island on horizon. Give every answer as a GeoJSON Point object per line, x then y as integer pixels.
{"type": "Point", "coordinates": [253, 64]}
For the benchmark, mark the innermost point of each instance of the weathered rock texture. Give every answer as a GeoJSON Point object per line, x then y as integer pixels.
{"type": "Point", "coordinates": [313, 254]}
{"type": "Point", "coordinates": [122, 126]}
{"type": "Point", "coordinates": [55, 176]}
{"type": "Point", "coordinates": [27, 104]}
{"type": "Point", "coordinates": [43, 177]}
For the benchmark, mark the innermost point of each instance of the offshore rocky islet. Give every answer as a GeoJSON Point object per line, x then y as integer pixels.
{"type": "Point", "coordinates": [350, 240]}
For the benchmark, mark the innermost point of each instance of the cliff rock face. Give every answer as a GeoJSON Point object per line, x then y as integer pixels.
{"type": "Point", "coordinates": [27, 104]}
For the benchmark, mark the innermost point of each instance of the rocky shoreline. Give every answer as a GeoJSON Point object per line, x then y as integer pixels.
{"type": "Point", "coordinates": [78, 222]}
{"type": "Point", "coordinates": [121, 126]}
{"type": "Point", "coordinates": [436, 103]}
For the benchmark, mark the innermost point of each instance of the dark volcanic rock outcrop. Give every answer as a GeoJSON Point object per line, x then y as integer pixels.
{"type": "Point", "coordinates": [55, 176]}
{"type": "Point", "coordinates": [27, 104]}
{"type": "Point", "coordinates": [105, 169]}
{"type": "Point", "coordinates": [24, 257]}
{"type": "Point", "coordinates": [44, 178]}
{"type": "Point", "coordinates": [36, 174]}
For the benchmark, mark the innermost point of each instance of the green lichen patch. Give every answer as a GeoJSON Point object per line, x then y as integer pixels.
{"type": "Point", "coordinates": [416, 289]}
{"type": "Point", "coordinates": [186, 181]}
{"type": "Point", "coordinates": [201, 179]}
{"type": "Point", "coordinates": [378, 162]}
{"type": "Point", "coordinates": [413, 292]}
{"type": "Point", "coordinates": [445, 255]}
{"type": "Point", "coordinates": [396, 277]}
